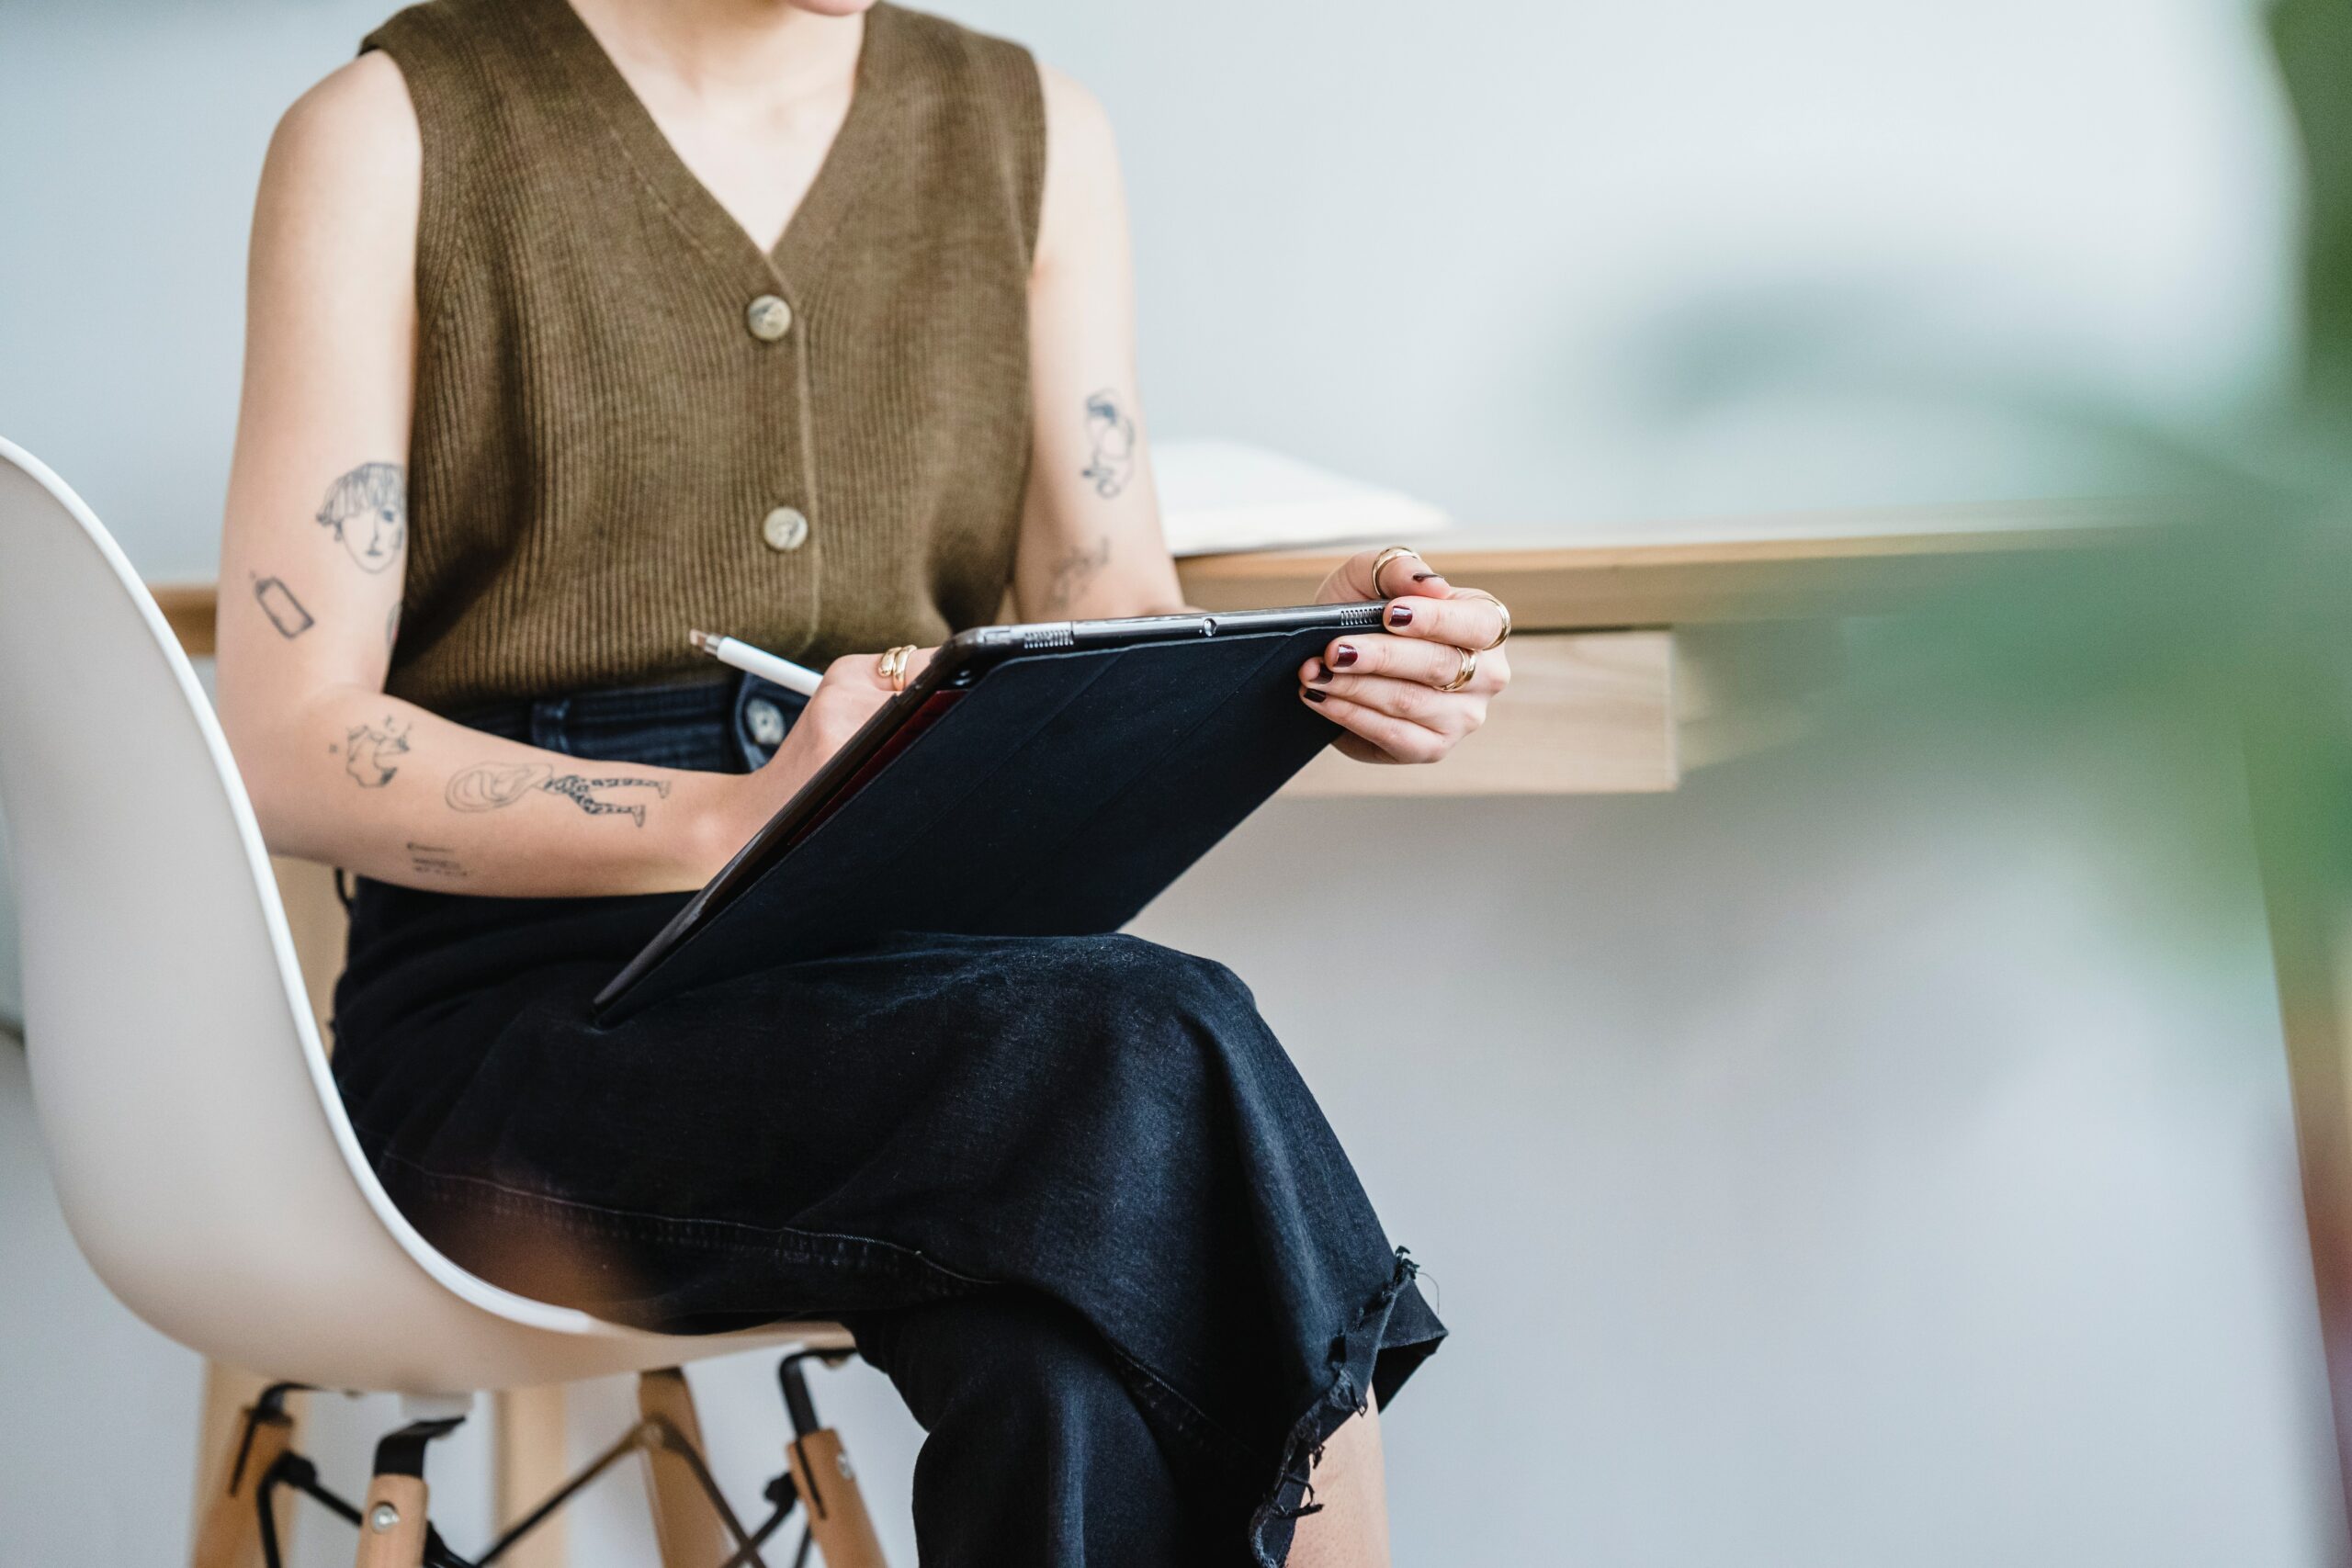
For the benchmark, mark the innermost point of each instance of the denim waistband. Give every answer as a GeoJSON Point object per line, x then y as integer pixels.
{"type": "Point", "coordinates": [728, 726]}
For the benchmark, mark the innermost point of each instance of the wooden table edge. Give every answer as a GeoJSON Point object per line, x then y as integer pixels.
{"type": "Point", "coordinates": [1570, 587]}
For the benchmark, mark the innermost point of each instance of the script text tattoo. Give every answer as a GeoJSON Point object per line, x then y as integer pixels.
{"type": "Point", "coordinates": [436, 860]}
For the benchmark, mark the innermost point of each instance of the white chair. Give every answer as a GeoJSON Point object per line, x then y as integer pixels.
{"type": "Point", "coordinates": [200, 1150]}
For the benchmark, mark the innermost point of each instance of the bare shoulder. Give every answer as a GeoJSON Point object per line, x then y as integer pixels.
{"type": "Point", "coordinates": [335, 219]}
{"type": "Point", "coordinates": [1082, 187]}
{"type": "Point", "coordinates": [1078, 127]}
{"type": "Point", "coordinates": [356, 128]}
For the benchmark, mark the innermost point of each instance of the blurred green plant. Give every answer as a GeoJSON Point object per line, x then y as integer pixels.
{"type": "Point", "coordinates": [2311, 40]}
{"type": "Point", "coordinates": [2225, 607]}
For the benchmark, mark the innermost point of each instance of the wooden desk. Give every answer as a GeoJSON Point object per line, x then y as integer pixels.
{"type": "Point", "coordinates": [1795, 568]}
{"type": "Point", "coordinates": [1633, 660]}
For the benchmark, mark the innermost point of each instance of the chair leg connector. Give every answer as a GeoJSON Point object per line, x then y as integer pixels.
{"type": "Point", "coordinates": [693, 1521]}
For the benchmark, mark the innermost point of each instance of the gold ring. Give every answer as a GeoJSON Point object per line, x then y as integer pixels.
{"type": "Point", "coordinates": [1382, 559]}
{"type": "Point", "coordinates": [1461, 676]}
{"type": "Point", "coordinates": [892, 666]}
{"type": "Point", "coordinates": [1501, 609]}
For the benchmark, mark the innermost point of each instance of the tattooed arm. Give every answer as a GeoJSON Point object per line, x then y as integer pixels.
{"type": "Point", "coordinates": [1091, 543]}
{"type": "Point", "coordinates": [1089, 535]}
{"type": "Point", "coordinates": [315, 551]}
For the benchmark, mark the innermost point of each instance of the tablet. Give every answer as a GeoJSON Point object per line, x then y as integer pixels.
{"type": "Point", "coordinates": [1045, 780]}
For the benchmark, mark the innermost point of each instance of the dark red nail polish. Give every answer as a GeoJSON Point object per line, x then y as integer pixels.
{"type": "Point", "coordinates": [1310, 694]}
{"type": "Point", "coordinates": [1319, 673]}
{"type": "Point", "coordinates": [1400, 614]}
{"type": "Point", "coordinates": [1343, 656]}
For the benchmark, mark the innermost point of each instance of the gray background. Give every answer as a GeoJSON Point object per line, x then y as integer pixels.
{"type": "Point", "coordinates": [1872, 1156]}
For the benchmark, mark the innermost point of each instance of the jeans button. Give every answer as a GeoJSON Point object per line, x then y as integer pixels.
{"type": "Point", "coordinates": [765, 721]}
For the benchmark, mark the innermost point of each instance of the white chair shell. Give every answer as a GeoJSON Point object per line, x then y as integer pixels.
{"type": "Point", "coordinates": [199, 1148]}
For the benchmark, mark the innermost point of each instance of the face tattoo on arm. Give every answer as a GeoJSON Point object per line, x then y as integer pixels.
{"type": "Point", "coordinates": [366, 510]}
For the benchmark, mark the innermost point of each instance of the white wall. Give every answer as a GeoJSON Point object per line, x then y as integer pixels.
{"type": "Point", "coordinates": [1441, 247]}
{"type": "Point", "coordinates": [1824, 1165]}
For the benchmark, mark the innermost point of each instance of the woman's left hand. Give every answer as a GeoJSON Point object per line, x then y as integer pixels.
{"type": "Point", "coordinates": [1385, 687]}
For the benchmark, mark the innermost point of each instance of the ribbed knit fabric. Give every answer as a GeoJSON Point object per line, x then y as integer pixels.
{"type": "Point", "coordinates": [601, 437]}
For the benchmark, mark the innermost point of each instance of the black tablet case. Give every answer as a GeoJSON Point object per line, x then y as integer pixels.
{"type": "Point", "coordinates": [1057, 796]}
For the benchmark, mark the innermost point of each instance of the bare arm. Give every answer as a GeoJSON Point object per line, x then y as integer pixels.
{"type": "Point", "coordinates": [314, 552]}
{"type": "Point", "coordinates": [1091, 543]}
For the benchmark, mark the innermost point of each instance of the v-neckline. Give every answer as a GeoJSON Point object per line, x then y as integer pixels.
{"type": "Point", "coordinates": [691, 203]}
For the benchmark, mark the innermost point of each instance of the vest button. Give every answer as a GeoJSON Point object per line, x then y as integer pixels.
{"type": "Point", "coordinates": [765, 721]}
{"type": "Point", "coordinates": [769, 318]}
{"type": "Point", "coordinates": [786, 528]}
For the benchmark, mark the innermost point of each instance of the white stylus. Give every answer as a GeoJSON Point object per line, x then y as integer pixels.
{"type": "Point", "coordinates": [758, 661]}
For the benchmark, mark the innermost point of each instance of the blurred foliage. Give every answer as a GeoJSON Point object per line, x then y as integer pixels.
{"type": "Point", "coordinates": [2222, 612]}
{"type": "Point", "coordinates": [2312, 42]}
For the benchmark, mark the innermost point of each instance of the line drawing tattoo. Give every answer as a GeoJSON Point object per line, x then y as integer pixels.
{"type": "Point", "coordinates": [435, 860]}
{"type": "Point", "coordinates": [393, 626]}
{"type": "Point", "coordinates": [1074, 571]}
{"type": "Point", "coordinates": [366, 510]}
{"type": "Point", "coordinates": [285, 611]}
{"type": "Point", "coordinates": [1113, 437]}
{"type": "Point", "coordinates": [493, 786]}
{"type": "Point", "coordinates": [366, 752]}
{"type": "Point", "coordinates": [574, 788]}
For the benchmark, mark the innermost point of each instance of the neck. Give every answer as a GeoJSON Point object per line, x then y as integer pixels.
{"type": "Point", "coordinates": [767, 48]}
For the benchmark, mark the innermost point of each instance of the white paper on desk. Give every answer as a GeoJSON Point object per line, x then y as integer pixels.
{"type": "Point", "coordinates": [1222, 495]}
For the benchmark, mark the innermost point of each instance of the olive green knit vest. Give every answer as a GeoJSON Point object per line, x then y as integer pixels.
{"type": "Point", "coordinates": [630, 422]}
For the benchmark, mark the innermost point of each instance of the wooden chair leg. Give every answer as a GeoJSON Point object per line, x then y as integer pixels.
{"type": "Point", "coordinates": [394, 1531]}
{"type": "Point", "coordinates": [229, 1466]}
{"type": "Point", "coordinates": [837, 1515]}
{"type": "Point", "coordinates": [687, 1527]}
{"type": "Point", "coordinates": [528, 1433]}
{"type": "Point", "coordinates": [392, 1523]}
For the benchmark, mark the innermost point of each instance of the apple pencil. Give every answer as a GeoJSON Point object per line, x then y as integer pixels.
{"type": "Point", "coordinates": [758, 661]}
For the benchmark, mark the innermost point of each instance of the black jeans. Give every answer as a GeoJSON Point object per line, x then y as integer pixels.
{"type": "Point", "coordinates": [1069, 1193]}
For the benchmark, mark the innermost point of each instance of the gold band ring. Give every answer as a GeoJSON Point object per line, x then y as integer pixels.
{"type": "Point", "coordinates": [1461, 676]}
{"type": "Point", "coordinates": [1501, 609]}
{"type": "Point", "coordinates": [1392, 553]}
{"type": "Point", "coordinates": [892, 666]}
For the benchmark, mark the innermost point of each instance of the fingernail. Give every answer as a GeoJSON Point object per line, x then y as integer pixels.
{"type": "Point", "coordinates": [1310, 694]}
{"type": "Point", "coordinates": [1430, 577]}
{"type": "Point", "coordinates": [1400, 614]}
{"type": "Point", "coordinates": [1343, 656]}
{"type": "Point", "coordinates": [1319, 673]}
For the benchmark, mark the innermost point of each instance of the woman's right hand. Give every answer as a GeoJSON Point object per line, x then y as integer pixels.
{"type": "Point", "coordinates": [850, 694]}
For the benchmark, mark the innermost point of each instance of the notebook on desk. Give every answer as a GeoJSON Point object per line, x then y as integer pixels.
{"type": "Point", "coordinates": [1216, 496]}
